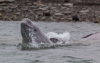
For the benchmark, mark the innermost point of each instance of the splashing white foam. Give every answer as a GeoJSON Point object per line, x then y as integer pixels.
{"type": "Point", "coordinates": [63, 38]}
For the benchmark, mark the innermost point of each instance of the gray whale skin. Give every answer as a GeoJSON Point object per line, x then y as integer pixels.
{"type": "Point", "coordinates": [31, 33]}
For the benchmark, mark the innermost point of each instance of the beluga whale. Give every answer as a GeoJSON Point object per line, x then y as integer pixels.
{"type": "Point", "coordinates": [92, 37]}
{"type": "Point", "coordinates": [32, 36]}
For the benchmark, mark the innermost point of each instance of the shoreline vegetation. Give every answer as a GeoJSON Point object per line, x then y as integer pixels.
{"type": "Point", "coordinates": [51, 10]}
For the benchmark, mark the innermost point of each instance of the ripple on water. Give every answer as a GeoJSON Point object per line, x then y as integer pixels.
{"type": "Point", "coordinates": [33, 61]}
{"type": "Point", "coordinates": [72, 59]}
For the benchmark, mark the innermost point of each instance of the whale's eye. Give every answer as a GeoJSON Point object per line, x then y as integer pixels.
{"type": "Point", "coordinates": [35, 30]}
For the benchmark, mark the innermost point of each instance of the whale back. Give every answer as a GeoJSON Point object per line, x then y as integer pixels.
{"type": "Point", "coordinates": [95, 36]}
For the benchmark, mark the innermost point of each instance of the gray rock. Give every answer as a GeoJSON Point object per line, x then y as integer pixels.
{"type": "Point", "coordinates": [1, 9]}
{"type": "Point", "coordinates": [84, 11]}
{"type": "Point", "coordinates": [43, 8]}
{"type": "Point", "coordinates": [68, 5]}
{"type": "Point", "coordinates": [58, 14]}
{"type": "Point", "coordinates": [18, 13]}
{"type": "Point", "coordinates": [3, 1]}
{"type": "Point", "coordinates": [3, 4]}
{"type": "Point", "coordinates": [46, 13]}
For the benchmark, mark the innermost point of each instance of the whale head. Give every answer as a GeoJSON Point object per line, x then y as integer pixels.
{"type": "Point", "coordinates": [31, 33]}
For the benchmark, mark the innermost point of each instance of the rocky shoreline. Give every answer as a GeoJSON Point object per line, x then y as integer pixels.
{"type": "Point", "coordinates": [43, 11]}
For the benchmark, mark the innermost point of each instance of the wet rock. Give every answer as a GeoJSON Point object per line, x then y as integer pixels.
{"type": "Point", "coordinates": [6, 18]}
{"type": "Point", "coordinates": [3, 4]}
{"type": "Point", "coordinates": [52, 8]}
{"type": "Point", "coordinates": [43, 18]}
{"type": "Point", "coordinates": [1, 9]}
{"type": "Point", "coordinates": [67, 13]}
{"type": "Point", "coordinates": [84, 11]}
{"type": "Point", "coordinates": [61, 11]}
{"type": "Point", "coordinates": [35, 3]}
{"type": "Point", "coordinates": [58, 14]}
{"type": "Point", "coordinates": [25, 10]}
{"type": "Point", "coordinates": [18, 13]}
{"type": "Point", "coordinates": [46, 13]}
{"type": "Point", "coordinates": [28, 3]}
{"type": "Point", "coordinates": [63, 7]}
{"type": "Point", "coordinates": [14, 17]}
{"type": "Point", "coordinates": [6, 1]}
{"type": "Point", "coordinates": [66, 1]}
{"type": "Point", "coordinates": [8, 10]}
{"type": "Point", "coordinates": [68, 5]}
{"type": "Point", "coordinates": [95, 21]}
{"type": "Point", "coordinates": [75, 18]}
{"type": "Point", "coordinates": [42, 5]}
{"type": "Point", "coordinates": [43, 9]}
{"type": "Point", "coordinates": [13, 7]}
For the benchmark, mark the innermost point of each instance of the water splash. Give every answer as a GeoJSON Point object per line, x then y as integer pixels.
{"type": "Point", "coordinates": [63, 40]}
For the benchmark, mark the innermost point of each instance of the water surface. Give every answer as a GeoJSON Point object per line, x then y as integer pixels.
{"type": "Point", "coordinates": [82, 52]}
